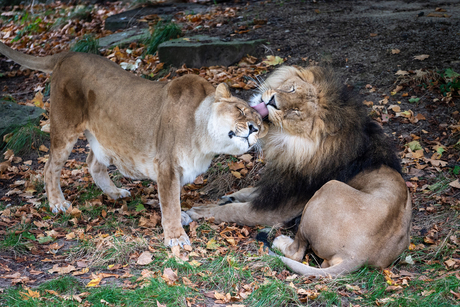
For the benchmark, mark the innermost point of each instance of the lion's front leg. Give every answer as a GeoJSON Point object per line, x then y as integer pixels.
{"type": "Point", "coordinates": [169, 195]}
{"type": "Point", "coordinates": [241, 196]}
{"type": "Point", "coordinates": [240, 213]}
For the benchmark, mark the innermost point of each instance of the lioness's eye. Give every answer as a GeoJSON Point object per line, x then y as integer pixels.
{"type": "Point", "coordinates": [241, 111]}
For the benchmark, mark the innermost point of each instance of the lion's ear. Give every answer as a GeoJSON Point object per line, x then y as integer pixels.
{"type": "Point", "coordinates": [263, 129]}
{"type": "Point", "coordinates": [222, 91]}
{"type": "Point", "coordinates": [307, 75]}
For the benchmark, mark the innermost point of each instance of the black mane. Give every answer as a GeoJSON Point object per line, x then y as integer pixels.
{"type": "Point", "coordinates": [279, 189]}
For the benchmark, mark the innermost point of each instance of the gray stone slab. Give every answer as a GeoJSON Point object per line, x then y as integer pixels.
{"type": "Point", "coordinates": [124, 38]}
{"type": "Point", "coordinates": [14, 115]}
{"type": "Point", "coordinates": [204, 51]}
{"type": "Point", "coordinates": [165, 11]}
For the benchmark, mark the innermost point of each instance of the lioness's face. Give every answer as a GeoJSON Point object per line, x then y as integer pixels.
{"type": "Point", "coordinates": [292, 106]}
{"type": "Point", "coordinates": [239, 126]}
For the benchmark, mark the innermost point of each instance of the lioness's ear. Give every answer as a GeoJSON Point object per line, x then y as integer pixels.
{"type": "Point", "coordinates": [222, 91]}
{"type": "Point", "coordinates": [263, 130]}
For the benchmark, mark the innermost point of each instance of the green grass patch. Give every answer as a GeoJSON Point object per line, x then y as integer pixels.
{"type": "Point", "coordinates": [103, 251]}
{"type": "Point", "coordinates": [162, 33]}
{"type": "Point", "coordinates": [87, 44]}
{"type": "Point", "coordinates": [274, 293]}
{"type": "Point", "coordinates": [17, 241]}
{"type": "Point", "coordinates": [25, 139]}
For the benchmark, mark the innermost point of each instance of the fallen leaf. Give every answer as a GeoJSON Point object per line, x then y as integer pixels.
{"type": "Point", "coordinates": [145, 258]}
{"type": "Point", "coordinates": [43, 148]}
{"type": "Point", "coordinates": [455, 184]}
{"type": "Point", "coordinates": [273, 60]}
{"type": "Point", "coordinates": [94, 282]}
{"type": "Point", "coordinates": [169, 276]}
{"type": "Point", "coordinates": [61, 270]}
{"type": "Point", "coordinates": [395, 51]}
{"type": "Point", "coordinates": [421, 57]}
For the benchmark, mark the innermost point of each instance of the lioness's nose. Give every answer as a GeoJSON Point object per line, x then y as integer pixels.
{"type": "Point", "coordinates": [252, 128]}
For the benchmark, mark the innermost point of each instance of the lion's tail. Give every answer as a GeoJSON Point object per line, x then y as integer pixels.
{"type": "Point", "coordinates": [45, 64]}
{"type": "Point", "coordinates": [344, 267]}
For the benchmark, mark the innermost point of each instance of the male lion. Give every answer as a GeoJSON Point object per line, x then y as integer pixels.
{"type": "Point", "coordinates": [165, 131]}
{"type": "Point", "coordinates": [328, 161]}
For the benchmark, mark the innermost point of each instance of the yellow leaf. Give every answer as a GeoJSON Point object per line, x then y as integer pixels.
{"type": "Point", "coordinates": [43, 148]}
{"type": "Point", "coordinates": [194, 263]}
{"type": "Point", "coordinates": [29, 294]}
{"type": "Point", "coordinates": [273, 60]}
{"type": "Point", "coordinates": [38, 100]}
{"type": "Point", "coordinates": [236, 174]}
{"type": "Point", "coordinates": [212, 244]}
{"type": "Point", "coordinates": [94, 282]}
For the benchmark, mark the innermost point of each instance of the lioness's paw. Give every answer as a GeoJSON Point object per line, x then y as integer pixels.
{"type": "Point", "coordinates": [181, 241]}
{"type": "Point", "coordinates": [120, 193]}
{"type": "Point", "coordinates": [282, 242]}
{"type": "Point", "coordinates": [60, 207]}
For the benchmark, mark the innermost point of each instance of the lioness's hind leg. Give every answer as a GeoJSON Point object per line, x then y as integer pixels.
{"type": "Point", "coordinates": [60, 151]}
{"type": "Point", "coordinates": [99, 173]}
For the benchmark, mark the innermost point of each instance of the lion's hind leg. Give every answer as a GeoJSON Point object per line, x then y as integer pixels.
{"type": "Point", "coordinates": [61, 146]}
{"type": "Point", "coordinates": [99, 173]}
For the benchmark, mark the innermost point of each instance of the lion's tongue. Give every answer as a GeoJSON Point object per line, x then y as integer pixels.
{"type": "Point", "coordinates": [261, 108]}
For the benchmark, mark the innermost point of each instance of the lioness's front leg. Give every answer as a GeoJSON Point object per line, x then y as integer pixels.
{"type": "Point", "coordinates": [169, 194]}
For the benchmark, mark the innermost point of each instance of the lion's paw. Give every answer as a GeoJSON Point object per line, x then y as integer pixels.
{"type": "Point", "coordinates": [185, 218]}
{"type": "Point", "coordinates": [226, 199]}
{"type": "Point", "coordinates": [60, 207]}
{"type": "Point", "coordinates": [282, 242]}
{"type": "Point", "coordinates": [201, 211]}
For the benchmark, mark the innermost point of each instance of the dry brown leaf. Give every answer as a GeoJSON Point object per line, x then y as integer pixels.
{"type": "Point", "coordinates": [61, 270]}
{"type": "Point", "coordinates": [421, 57]}
{"type": "Point", "coordinates": [144, 258]}
{"type": "Point", "coordinates": [455, 184]}
{"type": "Point", "coordinates": [169, 276]}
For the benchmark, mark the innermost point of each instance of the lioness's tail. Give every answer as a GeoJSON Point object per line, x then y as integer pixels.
{"type": "Point", "coordinates": [45, 64]}
{"type": "Point", "coordinates": [344, 267]}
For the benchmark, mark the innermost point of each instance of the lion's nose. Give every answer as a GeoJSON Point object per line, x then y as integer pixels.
{"type": "Point", "coordinates": [252, 128]}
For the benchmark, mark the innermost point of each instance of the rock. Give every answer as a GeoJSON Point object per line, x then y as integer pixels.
{"type": "Point", "coordinates": [164, 11]}
{"type": "Point", "coordinates": [201, 50]}
{"type": "Point", "coordinates": [124, 38]}
{"type": "Point", "coordinates": [13, 115]}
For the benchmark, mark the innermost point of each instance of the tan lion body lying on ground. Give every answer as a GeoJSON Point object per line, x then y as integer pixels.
{"type": "Point", "coordinates": [165, 131]}
{"type": "Point", "coordinates": [329, 162]}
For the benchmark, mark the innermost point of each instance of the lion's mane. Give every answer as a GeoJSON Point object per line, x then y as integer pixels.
{"type": "Point", "coordinates": [342, 144]}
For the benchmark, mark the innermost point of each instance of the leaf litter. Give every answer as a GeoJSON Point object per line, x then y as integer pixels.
{"type": "Point", "coordinates": [86, 243]}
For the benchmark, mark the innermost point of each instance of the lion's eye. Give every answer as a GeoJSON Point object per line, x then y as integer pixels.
{"type": "Point", "coordinates": [241, 111]}
{"type": "Point", "coordinates": [292, 89]}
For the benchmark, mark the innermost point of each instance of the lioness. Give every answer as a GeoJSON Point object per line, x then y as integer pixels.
{"type": "Point", "coordinates": [165, 131]}
{"type": "Point", "coordinates": [328, 161]}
